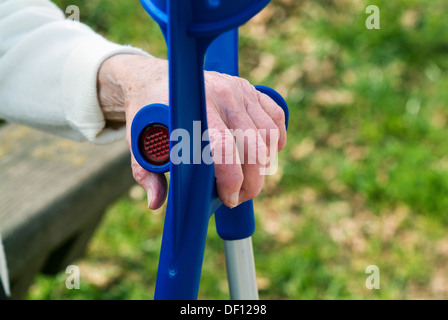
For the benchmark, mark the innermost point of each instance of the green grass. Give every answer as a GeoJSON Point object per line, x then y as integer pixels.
{"type": "Point", "coordinates": [363, 179]}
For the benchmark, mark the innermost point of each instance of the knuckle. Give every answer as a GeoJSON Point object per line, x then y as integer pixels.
{"type": "Point", "coordinates": [221, 88]}
{"type": "Point", "coordinates": [253, 191]}
{"type": "Point", "coordinates": [138, 173]}
{"type": "Point", "coordinates": [229, 178]}
{"type": "Point", "coordinates": [245, 84]}
{"type": "Point", "coordinates": [278, 116]}
{"type": "Point", "coordinates": [235, 179]}
{"type": "Point", "coordinates": [253, 183]}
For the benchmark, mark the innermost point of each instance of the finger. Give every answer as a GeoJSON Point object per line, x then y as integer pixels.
{"type": "Point", "coordinates": [276, 113]}
{"type": "Point", "coordinates": [154, 184]}
{"type": "Point", "coordinates": [228, 171]}
{"type": "Point", "coordinates": [252, 151]}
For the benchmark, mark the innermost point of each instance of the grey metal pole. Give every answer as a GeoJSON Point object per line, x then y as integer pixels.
{"type": "Point", "coordinates": [4, 279]}
{"type": "Point", "coordinates": [241, 269]}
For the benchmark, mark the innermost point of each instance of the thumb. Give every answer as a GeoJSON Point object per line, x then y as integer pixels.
{"type": "Point", "coordinates": [155, 184]}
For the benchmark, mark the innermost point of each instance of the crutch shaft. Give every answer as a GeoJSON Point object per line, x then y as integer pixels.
{"type": "Point", "coordinates": [241, 269]}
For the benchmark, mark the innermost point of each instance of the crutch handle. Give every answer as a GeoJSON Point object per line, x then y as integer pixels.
{"type": "Point", "coordinates": [146, 147]}
{"type": "Point", "coordinates": [152, 151]}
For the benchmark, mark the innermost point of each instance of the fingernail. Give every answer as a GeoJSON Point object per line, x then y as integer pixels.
{"type": "Point", "coordinates": [149, 194]}
{"type": "Point", "coordinates": [233, 200]}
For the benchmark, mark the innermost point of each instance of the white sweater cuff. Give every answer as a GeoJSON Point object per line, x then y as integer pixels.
{"type": "Point", "coordinates": [82, 110]}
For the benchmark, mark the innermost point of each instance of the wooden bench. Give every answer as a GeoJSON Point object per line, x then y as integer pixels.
{"type": "Point", "coordinates": [53, 193]}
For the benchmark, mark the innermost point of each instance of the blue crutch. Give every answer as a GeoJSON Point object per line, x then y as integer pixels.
{"type": "Point", "coordinates": [191, 29]}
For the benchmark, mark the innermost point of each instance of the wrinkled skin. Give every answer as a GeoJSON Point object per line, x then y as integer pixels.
{"type": "Point", "coordinates": [126, 83]}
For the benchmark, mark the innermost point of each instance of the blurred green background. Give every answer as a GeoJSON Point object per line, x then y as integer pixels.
{"type": "Point", "coordinates": [364, 177]}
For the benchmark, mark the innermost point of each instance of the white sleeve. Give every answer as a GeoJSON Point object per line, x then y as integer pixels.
{"type": "Point", "coordinates": [48, 71]}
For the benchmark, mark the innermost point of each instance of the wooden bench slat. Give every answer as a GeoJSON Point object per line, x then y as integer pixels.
{"type": "Point", "coordinates": [51, 189]}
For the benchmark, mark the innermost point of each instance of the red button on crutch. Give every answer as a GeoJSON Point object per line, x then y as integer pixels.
{"type": "Point", "coordinates": [155, 144]}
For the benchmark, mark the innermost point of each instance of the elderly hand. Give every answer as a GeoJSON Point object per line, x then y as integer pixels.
{"type": "Point", "coordinates": [126, 83]}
